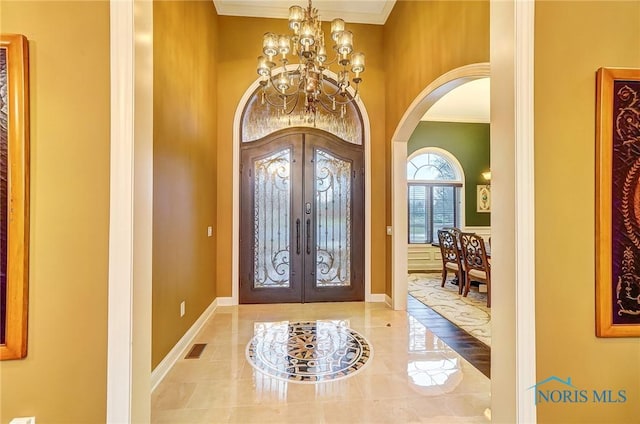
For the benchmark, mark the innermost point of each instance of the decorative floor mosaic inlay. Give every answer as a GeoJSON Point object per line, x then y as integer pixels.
{"type": "Point", "coordinates": [308, 351]}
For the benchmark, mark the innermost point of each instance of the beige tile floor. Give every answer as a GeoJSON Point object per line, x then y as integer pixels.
{"type": "Point", "coordinates": [413, 377]}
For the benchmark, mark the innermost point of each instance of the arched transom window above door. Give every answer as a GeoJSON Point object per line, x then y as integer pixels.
{"type": "Point", "coordinates": [260, 119]}
{"type": "Point", "coordinates": [435, 179]}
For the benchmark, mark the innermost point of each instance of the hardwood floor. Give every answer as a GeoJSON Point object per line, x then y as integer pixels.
{"type": "Point", "coordinates": [467, 346]}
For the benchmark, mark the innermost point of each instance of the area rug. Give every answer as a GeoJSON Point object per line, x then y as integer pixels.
{"type": "Point", "coordinates": [469, 313]}
{"type": "Point", "coordinates": [309, 351]}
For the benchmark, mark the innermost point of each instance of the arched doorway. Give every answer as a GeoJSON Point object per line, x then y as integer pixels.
{"type": "Point", "coordinates": [301, 218]}
{"type": "Point", "coordinates": [359, 110]}
{"type": "Point", "coordinates": [407, 125]}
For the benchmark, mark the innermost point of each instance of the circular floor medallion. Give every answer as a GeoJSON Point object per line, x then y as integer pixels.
{"type": "Point", "coordinates": [308, 351]}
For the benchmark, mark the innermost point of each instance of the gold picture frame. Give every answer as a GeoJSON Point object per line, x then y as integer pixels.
{"type": "Point", "coordinates": [618, 202]}
{"type": "Point", "coordinates": [14, 179]}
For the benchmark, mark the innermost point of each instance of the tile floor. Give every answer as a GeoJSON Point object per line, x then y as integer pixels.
{"type": "Point", "coordinates": [413, 376]}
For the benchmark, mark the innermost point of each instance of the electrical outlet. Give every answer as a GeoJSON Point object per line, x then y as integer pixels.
{"type": "Point", "coordinates": [209, 231]}
{"type": "Point", "coordinates": [183, 308]}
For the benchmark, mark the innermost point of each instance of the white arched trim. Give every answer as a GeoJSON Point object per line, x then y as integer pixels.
{"type": "Point", "coordinates": [434, 91]}
{"type": "Point", "coordinates": [460, 177]}
{"type": "Point", "coordinates": [235, 261]}
{"type": "Point", "coordinates": [457, 166]}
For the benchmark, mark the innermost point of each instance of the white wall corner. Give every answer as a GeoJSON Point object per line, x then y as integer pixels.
{"type": "Point", "coordinates": [225, 301]}
{"type": "Point", "coordinates": [376, 297]}
{"type": "Point", "coordinates": [525, 209]}
{"type": "Point", "coordinates": [388, 301]}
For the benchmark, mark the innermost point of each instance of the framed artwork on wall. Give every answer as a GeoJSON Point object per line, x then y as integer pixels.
{"type": "Point", "coordinates": [618, 203]}
{"type": "Point", "coordinates": [14, 195]}
{"type": "Point", "coordinates": [483, 203]}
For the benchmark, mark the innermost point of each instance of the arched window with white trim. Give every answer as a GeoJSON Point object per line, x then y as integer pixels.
{"type": "Point", "coordinates": [435, 180]}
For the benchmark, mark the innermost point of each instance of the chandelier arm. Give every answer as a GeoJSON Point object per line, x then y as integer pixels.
{"type": "Point", "coordinates": [350, 98]}
{"type": "Point", "coordinates": [326, 64]}
{"type": "Point", "coordinates": [268, 97]}
{"type": "Point", "coordinates": [324, 91]}
{"type": "Point", "coordinates": [291, 105]}
{"type": "Point", "coordinates": [290, 92]}
{"type": "Point", "coordinates": [280, 69]}
{"type": "Point", "coordinates": [289, 110]}
{"type": "Point", "coordinates": [327, 108]}
{"type": "Point", "coordinates": [333, 96]}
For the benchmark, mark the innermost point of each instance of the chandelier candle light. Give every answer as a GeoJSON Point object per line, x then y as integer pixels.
{"type": "Point", "coordinates": [282, 88]}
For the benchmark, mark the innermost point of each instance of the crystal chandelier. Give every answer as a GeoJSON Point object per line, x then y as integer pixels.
{"type": "Point", "coordinates": [283, 87]}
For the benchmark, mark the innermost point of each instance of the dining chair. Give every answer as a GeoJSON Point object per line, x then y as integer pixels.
{"type": "Point", "coordinates": [451, 259]}
{"type": "Point", "coordinates": [456, 233]}
{"type": "Point", "coordinates": [476, 264]}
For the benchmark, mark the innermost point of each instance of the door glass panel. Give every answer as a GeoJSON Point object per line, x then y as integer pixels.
{"type": "Point", "coordinates": [272, 200]}
{"type": "Point", "coordinates": [333, 220]}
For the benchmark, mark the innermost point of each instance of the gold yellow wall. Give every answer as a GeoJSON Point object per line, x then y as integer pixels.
{"type": "Point", "coordinates": [184, 175]}
{"type": "Point", "coordinates": [572, 40]}
{"type": "Point", "coordinates": [425, 39]}
{"type": "Point", "coordinates": [63, 378]}
{"type": "Point", "coordinates": [240, 45]}
{"type": "Point", "coordinates": [422, 41]}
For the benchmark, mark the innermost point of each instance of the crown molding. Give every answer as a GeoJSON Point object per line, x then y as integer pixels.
{"type": "Point", "coordinates": [362, 12]}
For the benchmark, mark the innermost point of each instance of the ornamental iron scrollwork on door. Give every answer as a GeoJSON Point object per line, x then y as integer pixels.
{"type": "Point", "coordinates": [301, 219]}
{"type": "Point", "coordinates": [333, 218]}
{"type": "Point", "coordinates": [272, 194]}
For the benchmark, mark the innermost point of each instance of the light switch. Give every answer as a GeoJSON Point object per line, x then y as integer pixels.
{"type": "Point", "coordinates": [389, 230]}
{"type": "Point", "coordinates": [209, 231]}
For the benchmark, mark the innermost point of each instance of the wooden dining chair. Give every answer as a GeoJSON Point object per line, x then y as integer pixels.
{"type": "Point", "coordinates": [451, 259]}
{"type": "Point", "coordinates": [476, 264]}
{"type": "Point", "coordinates": [456, 233]}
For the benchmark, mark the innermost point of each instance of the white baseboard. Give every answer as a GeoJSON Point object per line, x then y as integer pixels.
{"type": "Point", "coordinates": [376, 297]}
{"type": "Point", "coordinates": [225, 301]}
{"type": "Point", "coordinates": [179, 349]}
{"type": "Point", "coordinates": [388, 301]}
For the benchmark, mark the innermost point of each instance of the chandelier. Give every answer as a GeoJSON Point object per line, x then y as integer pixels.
{"type": "Point", "coordinates": [283, 87]}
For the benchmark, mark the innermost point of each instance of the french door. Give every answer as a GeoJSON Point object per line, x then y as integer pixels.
{"type": "Point", "coordinates": [301, 219]}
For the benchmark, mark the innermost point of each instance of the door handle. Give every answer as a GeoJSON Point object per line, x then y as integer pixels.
{"type": "Point", "coordinates": [308, 236]}
{"type": "Point", "coordinates": [298, 236]}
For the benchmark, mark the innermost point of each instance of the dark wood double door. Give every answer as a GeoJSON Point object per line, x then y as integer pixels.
{"type": "Point", "coordinates": [301, 219]}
